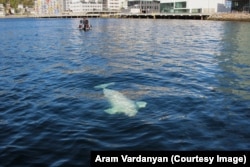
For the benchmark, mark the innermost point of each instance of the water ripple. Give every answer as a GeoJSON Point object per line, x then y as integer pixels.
{"type": "Point", "coordinates": [195, 83]}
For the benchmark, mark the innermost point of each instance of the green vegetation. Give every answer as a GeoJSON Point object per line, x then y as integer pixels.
{"type": "Point", "coordinates": [14, 3]}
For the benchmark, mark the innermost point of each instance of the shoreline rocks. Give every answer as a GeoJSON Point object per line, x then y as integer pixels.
{"type": "Point", "coordinates": [230, 17]}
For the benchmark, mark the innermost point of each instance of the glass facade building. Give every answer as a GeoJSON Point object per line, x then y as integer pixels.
{"type": "Point", "coordinates": [241, 5]}
{"type": "Point", "coordinates": [145, 6]}
{"type": "Point", "coordinates": [195, 6]}
{"type": "Point", "coordinates": [177, 7]}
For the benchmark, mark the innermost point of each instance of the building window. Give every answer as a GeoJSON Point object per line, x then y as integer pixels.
{"type": "Point", "coordinates": [196, 10]}
{"type": "Point", "coordinates": [167, 7]}
{"type": "Point", "coordinates": [240, 5]}
{"type": "Point", "coordinates": [180, 4]}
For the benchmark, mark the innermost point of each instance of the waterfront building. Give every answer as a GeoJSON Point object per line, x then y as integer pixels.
{"type": "Point", "coordinates": [194, 6]}
{"type": "Point", "coordinates": [144, 6]}
{"type": "Point", "coordinates": [65, 5]}
{"type": "Point", "coordinates": [20, 9]}
{"type": "Point", "coordinates": [2, 13]}
{"type": "Point", "coordinates": [55, 7]}
{"type": "Point", "coordinates": [48, 7]}
{"type": "Point", "coordinates": [241, 5]}
{"type": "Point", "coordinates": [115, 4]}
{"type": "Point", "coordinates": [83, 6]}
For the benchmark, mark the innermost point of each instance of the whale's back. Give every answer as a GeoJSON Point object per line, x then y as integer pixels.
{"type": "Point", "coordinates": [120, 103]}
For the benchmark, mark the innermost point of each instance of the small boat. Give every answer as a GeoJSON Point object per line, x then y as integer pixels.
{"type": "Point", "coordinates": [84, 26]}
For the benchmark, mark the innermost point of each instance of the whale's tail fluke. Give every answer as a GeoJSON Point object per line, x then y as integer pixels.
{"type": "Point", "coordinates": [141, 104]}
{"type": "Point", "coordinates": [103, 86]}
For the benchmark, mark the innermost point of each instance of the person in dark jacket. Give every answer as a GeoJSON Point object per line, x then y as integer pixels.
{"type": "Point", "coordinates": [86, 23]}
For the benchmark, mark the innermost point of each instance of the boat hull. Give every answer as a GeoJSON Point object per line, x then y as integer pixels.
{"type": "Point", "coordinates": [80, 27]}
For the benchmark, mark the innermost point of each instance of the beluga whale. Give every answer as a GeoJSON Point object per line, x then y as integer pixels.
{"type": "Point", "coordinates": [120, 103]}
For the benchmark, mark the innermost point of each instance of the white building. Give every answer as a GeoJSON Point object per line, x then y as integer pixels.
{"type": "Point", "coordinates": [66, 5]}
{"type": "Point", "coordinates": [81, 6]}
{"type": "Point", "coordinates": [48, 7]}
{"type": "Point", "coordinates": [57, 7]}
{"type": "Point", "coordinates": [115, 4]}
{"type": "Point", "coordinates": [144, 6]}
{"type": "Point", "coordinates": [194, 6]}
{"type": "Point", "coordinates": [2, 10]}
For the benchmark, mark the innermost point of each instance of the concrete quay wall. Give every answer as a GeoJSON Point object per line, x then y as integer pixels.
{"type": "Point", "coordinates": [197, 16]}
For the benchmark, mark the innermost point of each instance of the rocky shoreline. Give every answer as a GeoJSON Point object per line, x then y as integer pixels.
{"type": "Point", "coordinates": [230, 17]}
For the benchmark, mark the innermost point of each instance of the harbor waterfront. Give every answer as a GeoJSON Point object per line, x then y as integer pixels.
{"type": "Point", "coordinates": [185, 16]}
{"type": "Point", "coordinates": [192, 75]}
{"type": "Point", "coordinates": [198, 16]}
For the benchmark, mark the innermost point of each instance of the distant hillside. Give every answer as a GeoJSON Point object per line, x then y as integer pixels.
{"type": "Point", "coordinates": [14, 3]}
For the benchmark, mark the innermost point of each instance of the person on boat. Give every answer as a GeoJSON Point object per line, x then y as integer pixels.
{"type": "Point", "coordinates": [81, 24]}
{"type": "Point", "coordinates": [86, 23]}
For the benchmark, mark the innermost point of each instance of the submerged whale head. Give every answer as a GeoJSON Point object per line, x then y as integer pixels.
{"type": "Point", "coordinates": [120, 103]}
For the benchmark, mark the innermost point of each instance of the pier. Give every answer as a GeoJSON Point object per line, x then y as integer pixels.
{"type": "Point", "coordinates": [196, 16]}
{"type": "Point", "coordinates": [185, 16]}
{"type": "Point", "coordinates": [191, 16]}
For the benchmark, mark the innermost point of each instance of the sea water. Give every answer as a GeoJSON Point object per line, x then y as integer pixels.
{"type": "Point", "coordinates": [193, 74]}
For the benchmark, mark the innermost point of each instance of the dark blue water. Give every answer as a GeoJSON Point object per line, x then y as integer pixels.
{"type": "Point", "coordinates": [194, 76]}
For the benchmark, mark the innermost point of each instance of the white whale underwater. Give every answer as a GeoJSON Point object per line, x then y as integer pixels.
{"type": "Point", "coordinates": [120, 103]}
